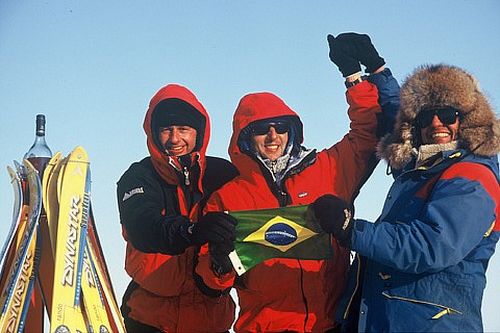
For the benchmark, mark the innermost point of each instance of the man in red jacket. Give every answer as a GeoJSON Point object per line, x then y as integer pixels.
{"type": "Point", "coordinates": [277, 171]}
{"type": "Point", "coordinates": [159, 199]}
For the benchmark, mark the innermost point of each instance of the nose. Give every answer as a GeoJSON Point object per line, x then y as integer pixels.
{"type": "Point", "coordinates": [436, 122]}
{"type": "Point", "coordinates": [174, 136]}
{"type": "Point", "coordinates": [272, 134]}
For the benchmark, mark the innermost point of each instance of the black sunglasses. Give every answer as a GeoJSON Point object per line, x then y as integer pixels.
{"type": "Point", "coordinates": [447, 116]}
{"type": "Point", "coordinates": [280, 127]}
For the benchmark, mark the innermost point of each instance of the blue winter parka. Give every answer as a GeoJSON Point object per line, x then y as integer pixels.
{"type": "Point", "coordinates": [421, 266]}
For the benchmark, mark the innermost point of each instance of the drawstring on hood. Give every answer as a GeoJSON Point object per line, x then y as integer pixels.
{"type": "Point", "coordinates": [433, 86]}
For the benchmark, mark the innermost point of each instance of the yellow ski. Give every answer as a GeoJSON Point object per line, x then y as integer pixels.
{"type": "Point", "coordinates": [11, 319]}
{"type": "Point", "coordinates": [93, 303]}
{"type": "Point", "coordinates": [48, 227]}
{"type": "Point", "coordinates": [23, 289]}
{"type": "Point", "coordinates": [32, 312]}
{"type": "Point", "coordinates": [104, 283]}
{"type": "Point", "coordinates": [50, 199]}
{"type": "Point", "coordinates": [20, 283]}
{"type": "Point", "coordinates": [72, 189]}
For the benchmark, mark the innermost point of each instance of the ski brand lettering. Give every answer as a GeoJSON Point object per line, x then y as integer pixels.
{"type": "Point", "coordinates": [17, 260]}
{"type": "Point", "coordinates": [132, 192]}
{"type": "Point", "coordinates": [15, 309]}
{"type": "Point", "coordinates": [69, 256]}
{"type": "Point", "coordinates": [88, 272]}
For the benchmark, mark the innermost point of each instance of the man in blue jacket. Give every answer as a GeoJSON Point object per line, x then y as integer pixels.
{"type": "Point", "coordinates": [421, 266]}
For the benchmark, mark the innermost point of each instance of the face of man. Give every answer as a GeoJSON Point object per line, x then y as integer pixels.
{"type": "Point", "coordinates": [270, 140]}
{"type": "Point", "coordinates": [177, 140]}
{"type": "Point", "coordinates": [443, 128]}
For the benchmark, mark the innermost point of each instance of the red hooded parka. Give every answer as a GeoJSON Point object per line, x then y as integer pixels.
{"type": "Point", "coordinates": [151, 194]}
{"type": "Point", "coordinates": [291, 294]}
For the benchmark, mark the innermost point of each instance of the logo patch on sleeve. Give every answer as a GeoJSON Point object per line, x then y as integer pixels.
{"type": "Point", "coordinates": [132, 192]}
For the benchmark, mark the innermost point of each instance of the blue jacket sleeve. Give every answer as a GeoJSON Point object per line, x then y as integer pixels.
{"type": "Point", "coordinates": [453, 222]}
{"type": "Point", "coordinates": [388, 98]}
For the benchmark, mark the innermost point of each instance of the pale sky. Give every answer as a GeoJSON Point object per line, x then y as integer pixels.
{"type": "Point", "coordinates": [92, 66]}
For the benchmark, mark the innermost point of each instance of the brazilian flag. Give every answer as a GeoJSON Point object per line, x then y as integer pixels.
{"type": "Point", "coordinates": [287, 232]}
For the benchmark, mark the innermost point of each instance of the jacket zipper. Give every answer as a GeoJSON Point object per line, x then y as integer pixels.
{"type": "Point", "coordinates": [358, 275]}
{"type": "Point", "coordinates": [446, 309]}
{"type": "Point", "coordinates": [280, 191]}
{"type": "Point", "coordinates": [283, 197]}
{"type": "Point", "coordinates": [185, 172]}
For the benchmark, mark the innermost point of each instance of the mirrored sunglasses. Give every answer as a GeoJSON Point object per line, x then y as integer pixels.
{"type": "Point", "coordinates": [280, 127]}
{"type": "Point", "coordinates": [447, 116]}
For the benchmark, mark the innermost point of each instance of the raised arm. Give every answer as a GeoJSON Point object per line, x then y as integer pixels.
{"type": "Point", "coordinates": [353, 159]}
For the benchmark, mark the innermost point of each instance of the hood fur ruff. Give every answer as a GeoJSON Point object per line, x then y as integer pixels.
{"type": "Point", "coordinates": [435, 86]}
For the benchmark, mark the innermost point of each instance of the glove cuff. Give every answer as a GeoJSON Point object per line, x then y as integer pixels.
{"type": "Point", "coordinates": [349, 84]}
{"type": "Point", "coordinates": [375, 64]}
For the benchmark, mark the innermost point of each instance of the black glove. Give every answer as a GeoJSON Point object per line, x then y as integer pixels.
{"type": "Point", "coordinates": [360, 47]}
{"type": "Point", "coordinates": [221, 264]}
{"type": "Point", "coordinates": [334, 216]}
{"type": "Point", "coordinates": [341, 55]}
{"type": "Point", "coordinates": [213, 227]}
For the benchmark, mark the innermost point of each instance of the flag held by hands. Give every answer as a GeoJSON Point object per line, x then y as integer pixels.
{"type": "Point", "coordinates": [286, 232]}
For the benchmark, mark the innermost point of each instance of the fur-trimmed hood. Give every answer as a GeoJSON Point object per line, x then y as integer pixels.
{"type": "Point", "coordinates": [436, 86]}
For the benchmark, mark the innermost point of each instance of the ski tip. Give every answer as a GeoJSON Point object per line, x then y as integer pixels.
{"type": "Point", "coordinates": [20, 169]}
{"type": "Point", "coordinates": [55, 157]}
{"type": "Point", "coordinates": [17, 165]}
{"type": "Point", "coordinates": [79, 154]}
{"type": "Point", "coordinates": [10, 170]}
{"type": "Point", "coordinates": [50, 167]}
{"type": "Point", "coordinates": [29, 166]}
{"type": "Point", "coordinates": [13, 174]}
